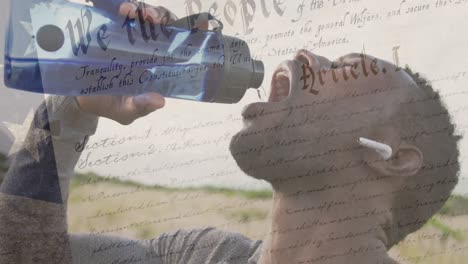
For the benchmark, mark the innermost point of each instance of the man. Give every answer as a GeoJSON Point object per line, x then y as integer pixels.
{"type": "Point", "coordinates": [329, 205]}
{"type": "Point", "coordinates": [336, 201]}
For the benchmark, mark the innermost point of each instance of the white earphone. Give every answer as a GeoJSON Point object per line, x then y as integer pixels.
{"type": "Point", "coordinates": [383, 149]}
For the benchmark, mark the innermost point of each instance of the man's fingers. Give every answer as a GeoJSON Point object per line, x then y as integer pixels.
{"type": "Point", "coordinates": [144, 104]}
{"type": "Point", "coordinates": [203, 25]}
{"type": "Point", "coordinates": [155, 15]}
{"type": "Point", "coordinates": [123, 109]}
{"type": "Point", "coordinates": [128, 9]}
{"type": "Point", "coordinates": [166, 14]}
{"type": "Point", "coordinates": [131, 108]}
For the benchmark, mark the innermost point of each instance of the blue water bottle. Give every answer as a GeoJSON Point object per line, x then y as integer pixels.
{"type": "Point", "coordinates": [63, 48]}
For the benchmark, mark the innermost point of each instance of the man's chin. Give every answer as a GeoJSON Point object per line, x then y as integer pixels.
{"type": "Point", "coordinates": [237, 146]}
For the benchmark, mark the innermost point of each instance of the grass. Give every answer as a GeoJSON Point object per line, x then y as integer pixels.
{"type": "Point", "coordinates": [236, 210]}
{"type": "Point", "coordinates": [456, 205]}
{"type": "Point", "coordinates": [248, 215]}
{"type": "Point", "coordinates": [91, 178]}
{"type": "Point", "coordinates": [442, 240]}
{"type": "Point", "coordinates": [447, 231]}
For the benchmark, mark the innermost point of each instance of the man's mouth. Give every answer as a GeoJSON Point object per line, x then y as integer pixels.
{"type": "Point", "coordinates": [280, 90]}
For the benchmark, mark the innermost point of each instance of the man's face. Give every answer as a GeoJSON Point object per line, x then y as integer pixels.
{"type": "Point", "coordinates": [316, 110]}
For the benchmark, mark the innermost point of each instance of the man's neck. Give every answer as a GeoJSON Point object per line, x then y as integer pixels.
{"type": "Point", "coordinates": [323, 227]}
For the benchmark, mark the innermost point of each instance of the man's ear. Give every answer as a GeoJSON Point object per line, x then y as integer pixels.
{"type": "Point", "coordinates": [406, 161]}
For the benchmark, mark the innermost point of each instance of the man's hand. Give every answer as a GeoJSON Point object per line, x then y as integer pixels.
{"type": "Point", "coordinates": [123, 109]}
{"type": "Point", "coordinates": [154, 14]}
{"type": "Point", "coordinates": [126, 109]}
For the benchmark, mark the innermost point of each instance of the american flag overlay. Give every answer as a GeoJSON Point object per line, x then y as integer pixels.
{"type": "Point", "coordinates": [34, 174]}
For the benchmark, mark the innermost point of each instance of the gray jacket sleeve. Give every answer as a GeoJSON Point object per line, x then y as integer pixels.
{"type": "Point", "coordinates": [33, 226]}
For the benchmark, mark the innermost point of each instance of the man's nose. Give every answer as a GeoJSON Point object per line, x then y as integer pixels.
{"type": "Point", "coordinates": [313, 60]}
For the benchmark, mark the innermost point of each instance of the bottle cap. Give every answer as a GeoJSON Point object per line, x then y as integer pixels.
{"type": "Point", "coordinates": [241, 72]}
{"type": "Point", "coordinates": [258, 74]}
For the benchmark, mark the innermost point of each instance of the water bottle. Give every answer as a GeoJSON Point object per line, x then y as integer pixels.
{"type": "Point", "coordinates": [63, 48]}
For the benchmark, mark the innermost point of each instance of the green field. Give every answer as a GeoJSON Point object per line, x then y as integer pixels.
{"type": "Point", "coordinates": [127, 209]}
